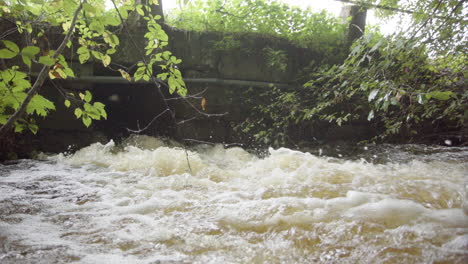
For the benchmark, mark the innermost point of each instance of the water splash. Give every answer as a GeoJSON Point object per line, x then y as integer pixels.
{"type": "Point", "coordinates": [139, 203]}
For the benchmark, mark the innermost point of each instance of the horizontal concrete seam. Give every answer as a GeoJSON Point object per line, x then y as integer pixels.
{"type": "Point", "coordinates": [118, 79]}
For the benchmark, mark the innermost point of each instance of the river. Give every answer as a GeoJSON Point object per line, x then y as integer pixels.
{"type": "Point", "coordinates": [148, 201]}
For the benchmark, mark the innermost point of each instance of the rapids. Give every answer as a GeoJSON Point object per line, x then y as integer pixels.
{"type": "Point", "coordinates": [144, 203]}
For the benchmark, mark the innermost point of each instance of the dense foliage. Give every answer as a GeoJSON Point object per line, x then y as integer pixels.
{"type": "Point", "coordinates": [304, 28]}
{"type": "Point", "coordinates": [387, 81]}
{"type": "Point", "coordinates": [411, 82]}
{"type": "Point", "coordinates": [91, 30]}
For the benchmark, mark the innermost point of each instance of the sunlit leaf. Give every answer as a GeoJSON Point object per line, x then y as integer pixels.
{"type": "Point", "coordinates": [97, 26]}
{"type": "Point", "coordinates": [106, 60]}
{"type": "Point", "coordinates": [87, 97]}
{"type": "Point", "coordinates": [125, 75]}
{"type": "Point", "coordinates": [78, 112]}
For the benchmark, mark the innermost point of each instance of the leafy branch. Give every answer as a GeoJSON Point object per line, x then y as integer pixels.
{"type": "Point", "coordinates": [43, 74]}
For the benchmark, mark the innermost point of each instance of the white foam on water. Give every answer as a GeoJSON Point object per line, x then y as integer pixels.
{"type": "Point", "coordinates": [145, 203]}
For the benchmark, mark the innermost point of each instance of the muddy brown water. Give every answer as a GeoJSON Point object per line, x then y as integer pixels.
{"type": "Point", "coordinates": [142, 203]}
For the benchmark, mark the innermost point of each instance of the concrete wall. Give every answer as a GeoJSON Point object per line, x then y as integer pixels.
{"type": "Point", "coordinates": [224, 72]}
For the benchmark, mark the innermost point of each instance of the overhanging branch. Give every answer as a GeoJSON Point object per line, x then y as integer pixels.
{"type": "Point", "coordinates": [41, 78]}
{"type": "Point", "coordinates": [394, 9]}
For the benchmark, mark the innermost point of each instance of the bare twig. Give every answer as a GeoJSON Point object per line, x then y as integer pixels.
{"type": "Point", "coordinates": [195, 96]}
{"type": "Point", "coordinates": [395, 9]}
{"type": "Point", "coordinates": [200, 112]}
{"type": "Point", "coordinates": [186, 120]}
{"type": "Point", "coordinates": [188, 161]}
{"type": "Point", "coordinates": [149, 124]}
{"type": "Point", "coordinates": [199, 141]}
{"type": "Point", "coordinates": [62, 92]}
{"type": "Point", "coordinates": [426, 22]}
{"type": "Point", "coordinates": [153, 79]}
{"type": "Point", "coordinates": [8, 32]}
{"type": "Point", "coordinates": [211, 143]}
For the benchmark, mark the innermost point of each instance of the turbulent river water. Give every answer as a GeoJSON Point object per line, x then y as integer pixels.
{"type": "Point", "coordinates": [144, 203]}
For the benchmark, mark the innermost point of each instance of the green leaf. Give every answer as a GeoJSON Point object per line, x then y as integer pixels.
{"type": "Point", "coordinates": [84, 57]}
{"type": "Point", "coordinates": [163, 76]}
{"type": "Point", "coordinates": [110, 51]}
{"type": "Point", "coordinates": [62, 74]}
{"type": "Point", "coordinates": [125, 75]}
{"type": "Point", "coordinates": [39, 105]}
{"type": "Point", "coordinates": [92, 112]}
{"type": "Point", "coordinates": [66, 26]}
{"type": "Point", "coordinates": [33, 128]}
{"type": "Point", "coordinates": [18, 128]}
{"type": "Point", "coordinates": [100, 107]}
{"type": "Point", "coordinates": [82, 50]}
{"type": "Point", "coordinates": [97, 26]}
{"type": "Point", "coordinates": [123, 13]}
{"type": "Point", "coordinates": [47, 60]}
{"type": "Point", "coordinates": [30, 51]}
{"type": "Point", "coordinates": [11, 46]}
{"type": "Point", "coordinates": [98, 55]}
{"type": "Point", "coordinates": [112, 20]}
{"type": "Point", "coordinates": [69, 72]}
{"type": "Point", "coordinates": [106, 60]}
{"type": "Point", "coordinates": [3, 119]}
{"type": "Point", "coordinates": [140, 10]}
{"type": "Point", "coordinates": [162, 36]}
{"type": "Point", "coordinates": [67, 103]}
{"type": "Point", "coordinates": [443, 96]}
{"type": "Point", "coordinates": [115, 39]}
{"type": "Point", "coordinates": [88, 96]}
{"type": "Point", "coordinates": [172, 84]}
{"type": "Point", "coordinates": [7, 54]}
{"type": "Point", "coordinates": [78, 112]}
{"type": "Point", "coordinates": [86, 121]}
{"type": "Point", "coordinates": [89, 8]}
{"type": "Point", "coordinates": [26, 60]}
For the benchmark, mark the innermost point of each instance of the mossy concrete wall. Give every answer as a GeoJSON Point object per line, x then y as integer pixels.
{"type": "Point", "coordinates": [240, 57]}
{"type": "Point", "coordinates": [214, 55]}
{"type": "Point", "coordinates": [204, 55]}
